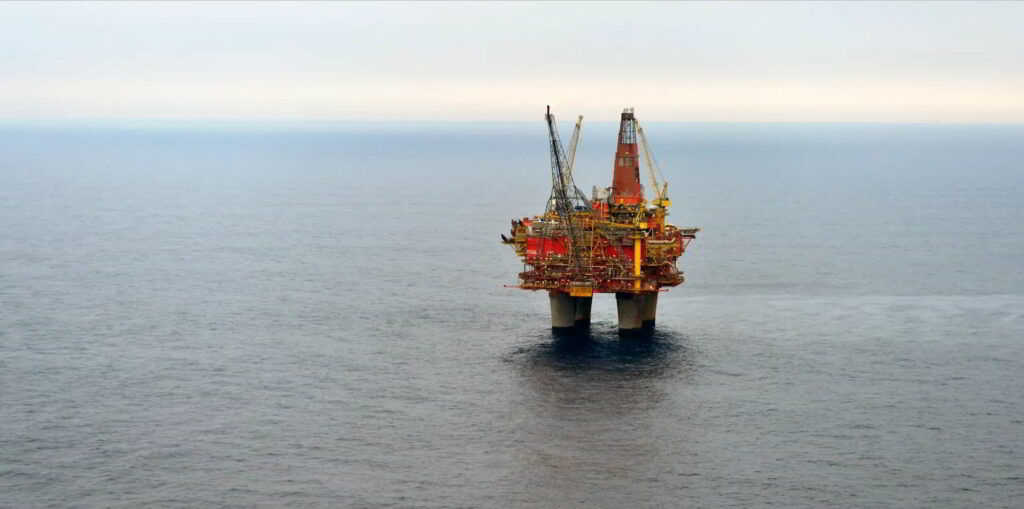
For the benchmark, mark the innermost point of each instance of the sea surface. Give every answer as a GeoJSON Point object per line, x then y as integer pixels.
{"type": "Point", "coordinates": [314, 315]}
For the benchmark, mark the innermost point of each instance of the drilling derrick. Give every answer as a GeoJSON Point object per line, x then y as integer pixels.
{"type": "Point", "coordinates": [615, 242]}
{"type": "Point", "coordinates": [626, 187]}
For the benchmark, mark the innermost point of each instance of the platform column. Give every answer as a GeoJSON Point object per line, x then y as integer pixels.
{"type": "Point", "coordinates": [583, 312]}
{"type": "Point", "coordinates": [569, 313]}
{"type": "Point", "coordinates": [650, 310]}
{"type": "Point", "coordinates": [631, 308]}
{"type": "Point", "coordinates": [563, 311]}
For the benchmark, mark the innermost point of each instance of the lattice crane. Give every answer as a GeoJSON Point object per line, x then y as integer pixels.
{"type": "Point", "coordinates": [577, 134]}
{"type": "Point", "coordinates": [660, 189]}
{"type": "Point", "coordinates": [566, 198]}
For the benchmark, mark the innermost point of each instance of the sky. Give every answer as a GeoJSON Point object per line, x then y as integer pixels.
{"type": "Point", "coordinates": [702, 62]}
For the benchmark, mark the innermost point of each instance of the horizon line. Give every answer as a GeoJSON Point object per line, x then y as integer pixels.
{"type": "Point", "coordinates": [269, 121]}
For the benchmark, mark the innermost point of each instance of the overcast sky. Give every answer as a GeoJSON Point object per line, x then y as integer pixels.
{"type": "Point", "coordinates": [884, 62]}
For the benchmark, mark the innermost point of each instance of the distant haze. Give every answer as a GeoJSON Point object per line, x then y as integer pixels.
{"type": "Point", "coordinates": [863, 62]}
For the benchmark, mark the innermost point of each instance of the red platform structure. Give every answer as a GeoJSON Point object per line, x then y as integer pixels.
{"type": "Point", "coordinates": [614, 242]}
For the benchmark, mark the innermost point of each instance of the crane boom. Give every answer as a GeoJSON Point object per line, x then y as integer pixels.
{"type": "Point", "coordinates": [577, 133]}
{"type": "Point", "coordinates": [660, 190]}
{"type": "Point", "coordinates": [565, 196]}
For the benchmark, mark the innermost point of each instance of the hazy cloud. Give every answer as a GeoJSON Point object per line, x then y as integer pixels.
{"type": "Point", "coordinates": [480, 61]}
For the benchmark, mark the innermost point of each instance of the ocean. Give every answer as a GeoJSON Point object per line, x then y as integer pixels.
{"type": "Point", "coordinates": [315, 315]}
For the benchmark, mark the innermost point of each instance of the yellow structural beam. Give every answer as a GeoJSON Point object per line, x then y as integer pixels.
{"type": "Point", "coordinates": [637, 243]}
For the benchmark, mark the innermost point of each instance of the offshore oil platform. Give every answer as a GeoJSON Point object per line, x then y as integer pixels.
{"type": "Point", "coordinates": [613, 242]}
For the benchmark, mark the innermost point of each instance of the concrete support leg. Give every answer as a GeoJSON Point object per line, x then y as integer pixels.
{"type": "Point", "coordinates": [650, 310]}
{"type": "Point", "coordinates": [569, 313]}
{"type": "Point", "coordinates": [583, 312]}
{"type": "Point", "coordinates": [631, 309]}
{"type": "Point", "coordinates": [563, 311]}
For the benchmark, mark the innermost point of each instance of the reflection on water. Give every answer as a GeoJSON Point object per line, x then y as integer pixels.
{"type": "Point", "coordinates": [602, 357]}
{"type": "Point", "coordinates": [588, 408]}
